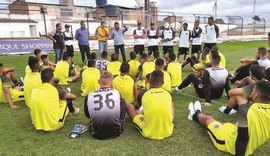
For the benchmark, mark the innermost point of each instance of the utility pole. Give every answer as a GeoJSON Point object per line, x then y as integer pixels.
{"type": "Point", "coordinates": [254, 8]}
{"type": "Point", "coordinates": [215, 9]}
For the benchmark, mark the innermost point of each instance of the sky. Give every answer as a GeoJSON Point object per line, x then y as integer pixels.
{"type": "Point", "coordinates": [188, 7]}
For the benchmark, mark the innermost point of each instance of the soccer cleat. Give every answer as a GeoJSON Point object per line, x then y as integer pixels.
{"type": "Point", "coordinates": [197, 106]}
{"type": "Point", "coordinates": [177, 90]}
{"type": "Point", "coordinates": [191, 111]}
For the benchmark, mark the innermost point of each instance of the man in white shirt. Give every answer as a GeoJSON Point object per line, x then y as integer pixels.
{"type": "Point", "coordinates": [184, 37]}
{"type": "Point", "coordinates": [139, 35]}
{"type": "Point", "coordinates": [168, 36]}
{"type": "Point", "coordinates": [196, 40]}
{"type": "Point", "coordinates": [68, 37]}
{"type": "Point", "coordinates": [212, 33]}
{"type": "Point", "coordinates": [152, 34]}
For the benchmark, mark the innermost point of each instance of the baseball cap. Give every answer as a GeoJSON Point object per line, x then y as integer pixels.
{"type": "Point", "coordinates": [166, 25]}
{"type": "Point", "coordinates": [67, 26]}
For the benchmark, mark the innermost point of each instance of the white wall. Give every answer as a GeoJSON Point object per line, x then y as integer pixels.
{"type": "Point", "coordinates": [9, 27]}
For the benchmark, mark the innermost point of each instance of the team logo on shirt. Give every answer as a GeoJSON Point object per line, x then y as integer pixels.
{"type": "Point", "coordinates": [216, 126]}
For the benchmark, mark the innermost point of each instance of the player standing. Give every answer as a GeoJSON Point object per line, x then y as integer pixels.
{"type": "Point", "coordinates": [212, 33]}
{"type": "Point", "coordinates": [168, 36]}
{"type": "Point", "coordinates": [139, 35]}
{"type": "Point", "coordinates": [196, 40]}
{"type": "Point", "coordinates": [184, 38]}
{"type": "Point", "coordinates": [152, 34]}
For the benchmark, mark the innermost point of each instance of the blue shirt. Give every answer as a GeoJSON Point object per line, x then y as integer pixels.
{"type": "Point", "coordinates": [118, 36]}
{"type": "Point", "coordinates": [83, 36]}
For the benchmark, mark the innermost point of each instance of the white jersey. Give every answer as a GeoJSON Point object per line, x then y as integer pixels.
{"type": "Point", "coordinates": [184, 37]}
{"type": "Point", "coordinates": [101, 64]}
{"type": "Point", "coordinates": [152, 35]}
{"type": "Point", "coordinates": [68, 37]}
{"type": "Point", "coordinates": [168, 34]}
{"type": "Point", "coordinates": [264, 63]}
{"type": "Point", "coordinates": [211, 33]}
{"type": "Point", "coordinates": [196, 36]}
{"type": "Point", "coordinates": [138, 41]}
{"type": "Point", "coordinates": [106, 111]}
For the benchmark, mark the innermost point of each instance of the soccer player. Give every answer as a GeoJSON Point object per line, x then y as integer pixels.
{"type": "Point", "coordinates": [8, 92]}
{"type": "Point", "coordinates": [125, 84]}
{"type": "Point", "coordinates": [102, 36]}
{"type": "Point", "coordinates": [118, 37]}
{"type": "Point", "coordinates": [251, 130]}
{"type": "Point", "coordinates": [144, 69]}
{"type": "Point", "coordinates": [106, 110]}
{"type": "Point", "coordinates": [196, 40]}
{"type": "Point", "coordinates": [90, 77]}
{"type": "Point", "coordinates": [243, 71]}
{"type": "Point", "coordinates": [102, 63]}
{"type": "Point", "coordinates": [134, 65]}
{"type": "Point", "coordinates": [241, 95]}
{"type": "Point", "coordinates": [83, 36]}
{"type": "Point", "coordinates": [175, 70]}
{"type": "Point", "coordinates": [46, 63]}
{"type": "Point", "coordinates": [59, 46]}
{"type": "Point", "coordinates": [159, 65]}
{"type": "Point", "coordinates": [48, 111]}
{"type": "Point", "coordinates": [152, 34]}
{"type": "Point", "coordinates": [31, 80]}
{"type": "Point", "coordinates": [64, 71]}
{"type": "Point", "coordinates": [68, 37]}
{"type": "Point", "coordinates": [168, 36]}
{"type": "Point", "coordinates": [212, 33]}
{"type": "Point", "coordinates": [156, 122]}
{"type": "Point", "coordinates": [214, 51]}
{"type": "Point", "coordinates": [114, 66]}
{"type": "Point", "coordinates": [184, 38]}
{"type": "Point", "coordinates": [211, 84]}
{"type": "Point", "coordinates": [139, 35]}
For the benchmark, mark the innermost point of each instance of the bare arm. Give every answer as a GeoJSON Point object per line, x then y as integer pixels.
{"type": "Point", "coordinates": [8, 97]}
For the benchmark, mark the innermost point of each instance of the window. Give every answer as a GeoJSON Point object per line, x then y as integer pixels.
{"type": "Point", "coordinates": [66, 12]}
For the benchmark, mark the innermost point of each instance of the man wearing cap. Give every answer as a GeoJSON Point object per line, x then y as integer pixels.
{"type": "Point", "coordinates": [68, 37]}
{"type": "Point", "coordinates": [139, 35]}
{"type": "Point", "coordinates": [168, 36]}
{"type": "Point", "coordinates": [152, 34]}
{"type": "Point", "coordinates": [83, 37]}
{"type": "Point", "coordinates": [118, 37]}
{"type": "Point", "coordinates": [196, 39]}
{"type": "Point", "coordinates": [58, 42]}
{"type": "Point", "coordinates": [102, 36]}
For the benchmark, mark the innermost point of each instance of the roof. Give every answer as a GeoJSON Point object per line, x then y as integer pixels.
{"type": "Point", "coordinates": [17, 21]}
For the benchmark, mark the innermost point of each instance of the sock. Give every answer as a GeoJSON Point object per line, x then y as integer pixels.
{"type": "Point", "coordinates": [70, 106]}
{"type": "Point", "coordinates": [227, 110]}
{"type": "Point", "coordinates": [195, 116]}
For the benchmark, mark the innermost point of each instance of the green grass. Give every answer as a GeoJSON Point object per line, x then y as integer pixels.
{"type": "Point", "coordinates": [18, 136]}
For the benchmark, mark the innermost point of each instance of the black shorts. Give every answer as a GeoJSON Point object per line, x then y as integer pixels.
{"type": "Point", "coordinates": [70, 50]}
{"type": "Point", "coordinates": [139, 49]}
{"type": "Point", "coordinates": [152, 49]}
{"type": "Point", "coordinates": [165, 49]}
{"type": "Point", "coordinates": [209, 45]}
{"type": "Point", "coordinates": [196, 49]}
{"type": "Point", "coordinates": [182, 51]}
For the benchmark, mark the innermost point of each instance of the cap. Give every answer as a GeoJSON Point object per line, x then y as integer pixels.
{"type": "Point", "coordinates": [139, 23]}
{"type": "Point", "coordinates": [166, 26]}
{"type": "Point", "coordinates": [67, 26]}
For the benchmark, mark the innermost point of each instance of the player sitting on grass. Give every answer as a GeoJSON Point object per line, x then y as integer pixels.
{"type": "Point", "coordinates": [156, 122]}
{"type": "Point", "coordinates": [215, 51]}
{"type": "Point", "coordinates": [175, 70]}
{"type": "Point", "coordinates": [9, 93]}
{"type": "Point", "coordinates": [252, 127]}
{"type": "Point", "coordinates": [49, 104]}
{"type": "Point", "coordinates": [31, 80]}
{"type": "Point", "coordinates": [37, 54]}
{"type": "Point", "coordinates": [144, 69]}
{"type": "Point", "coordinates": [65, 72]}
{"type": "Point", "coordinates": [125, 84]}
{"type": "Point", "coordinates": [114, 66]}
{"type": "Point", "coordinates": [243, 71]}
{"type": "Point", "coordinates": [46, 63]}
{"type": "Point", "coordinates": [240, 96]}
{"type": "Point", "coordinates": [211, 84]}
{"type": "Point", "coordinates": [133, 64]}
{"type": "Point", "coordinates": [105, 109]}
{"type": "Point", "coordinates": [102, 63]}
{"type": "Point", "coordinates": [90, 77]}
{"type": "Point", "coordinates": [159, 65]}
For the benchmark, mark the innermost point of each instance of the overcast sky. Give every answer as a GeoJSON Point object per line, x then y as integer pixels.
{"type": "Point", "coordinates": [188, 7]}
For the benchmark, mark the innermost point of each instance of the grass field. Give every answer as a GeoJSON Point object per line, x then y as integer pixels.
{"type": "Point", "coordinates": [18, 136]}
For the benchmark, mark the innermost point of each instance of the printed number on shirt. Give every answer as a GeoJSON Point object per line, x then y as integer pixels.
{"type": "Point", "coordinates": [99, 101]}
